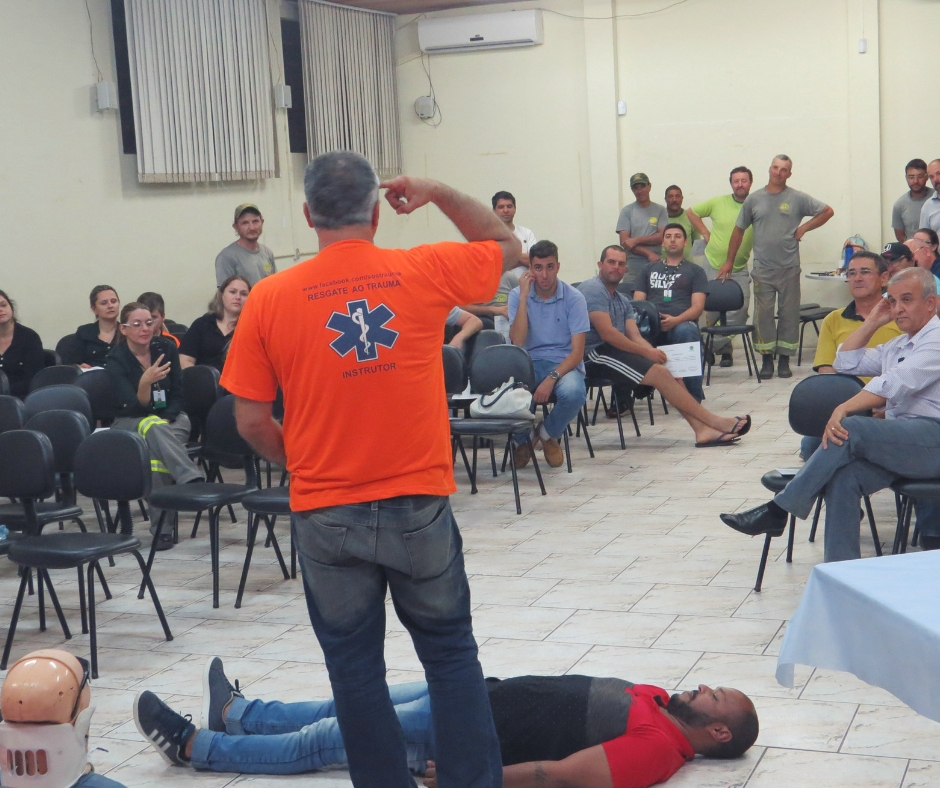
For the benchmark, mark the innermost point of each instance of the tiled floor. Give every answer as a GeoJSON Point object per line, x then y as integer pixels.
{"type": "Point", "coordinates": [623, 569]}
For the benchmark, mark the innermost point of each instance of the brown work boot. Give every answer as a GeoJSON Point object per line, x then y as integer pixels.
{"type": "Point", "coordinates": [554, 456]}
{"type": "Point", "coordinates": [521, 454]}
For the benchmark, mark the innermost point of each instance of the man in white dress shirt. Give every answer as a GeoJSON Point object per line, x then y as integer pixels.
{"type": "Point", "coordinates": [861, 455]}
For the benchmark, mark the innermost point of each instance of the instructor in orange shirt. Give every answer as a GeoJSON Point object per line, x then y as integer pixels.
{"type": "Point", "coordinates": [353, 337]}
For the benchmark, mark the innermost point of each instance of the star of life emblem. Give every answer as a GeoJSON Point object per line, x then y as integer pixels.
{"type": "Point", "coordinates": [362, 329]}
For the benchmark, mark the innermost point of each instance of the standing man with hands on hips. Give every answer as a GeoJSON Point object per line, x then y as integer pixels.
{"type": "Point", "coordinates": [353, 337]}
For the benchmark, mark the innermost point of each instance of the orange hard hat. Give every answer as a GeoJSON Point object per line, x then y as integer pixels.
{"type": "Point", "coordinates": [49, 686]}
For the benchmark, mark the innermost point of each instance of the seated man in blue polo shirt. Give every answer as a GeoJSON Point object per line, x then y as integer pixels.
{"type": "Point", "coordinates": [549, 319]}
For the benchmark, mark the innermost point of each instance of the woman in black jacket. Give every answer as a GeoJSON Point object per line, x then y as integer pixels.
{"type": "Point", "coordinates": [20, 349]}
{"type": "Point", "coordinates": [149, 387]}
{"type": "Point", "coordinates": [90, 344]}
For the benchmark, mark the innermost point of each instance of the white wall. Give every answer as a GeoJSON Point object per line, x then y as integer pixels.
{"type": "Point", "coordinates": [709, 85]}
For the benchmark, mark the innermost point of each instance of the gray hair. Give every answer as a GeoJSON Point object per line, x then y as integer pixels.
{"type": "Point", "coordinates": [926, 279]}
{"type": "Point", "coordinates": [341, 190]}
{"type": "Point", "coordinates": [783, 157]}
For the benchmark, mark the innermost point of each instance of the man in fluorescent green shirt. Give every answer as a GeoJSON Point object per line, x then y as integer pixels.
{"type": "Point", "coordinates": [723, 212]}
{"type": "Point", "coordinates": [678, 216]}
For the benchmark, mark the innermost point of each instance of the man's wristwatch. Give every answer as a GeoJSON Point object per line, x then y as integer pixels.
{"type": "Point", "coordinates": [554, 375]}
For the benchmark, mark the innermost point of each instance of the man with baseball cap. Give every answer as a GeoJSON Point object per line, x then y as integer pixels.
{"type": "Point", "coordinates": [245, 257]}
{"type": "Point", "coordinates": [640, 227]}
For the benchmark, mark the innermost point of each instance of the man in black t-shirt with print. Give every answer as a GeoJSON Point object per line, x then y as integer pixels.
{"type": "Point", "coordinates": [677, 289]}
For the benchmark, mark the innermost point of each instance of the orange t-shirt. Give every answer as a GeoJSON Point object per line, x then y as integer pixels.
{"type": "Point", "coordinates": [353, 337]}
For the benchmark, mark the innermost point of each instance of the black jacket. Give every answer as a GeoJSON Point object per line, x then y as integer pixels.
{"type": "Point", "coordinates": [126, 373]}
{"type": "Point", "coordinates": [85, 347]}
{"type": "Point", "coordinates": [22, 360]}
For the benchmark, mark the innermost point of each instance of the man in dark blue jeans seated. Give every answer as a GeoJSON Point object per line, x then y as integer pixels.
{"type": "Point", "coordinates": [577, 731]}
{"type": "Point", "coordinates": [677, 289]}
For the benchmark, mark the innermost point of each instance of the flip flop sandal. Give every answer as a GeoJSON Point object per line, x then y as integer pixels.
{"type": "Point", "coordinates": [718, 441]}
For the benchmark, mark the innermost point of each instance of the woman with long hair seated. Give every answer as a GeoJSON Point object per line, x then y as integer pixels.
{"type": "Point", "coordinates": [148, 382]}
{"type": "Point", "coordinates": [20, 349]}
{"type": "Point", "coordinates": [208, 338]}
{"type": "Point", "coordinates": [90, 344]}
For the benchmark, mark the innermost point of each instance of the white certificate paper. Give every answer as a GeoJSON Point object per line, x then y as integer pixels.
{"type": "Point", "coordinates": [683, 361]}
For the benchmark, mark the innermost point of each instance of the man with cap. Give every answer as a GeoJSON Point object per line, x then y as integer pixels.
{"type": "Point", "coordinates": [640, 227]}
{"type": "Point", "coordinates": [44, 733]}
{"type": "Point", "coordinates": [245, 257]}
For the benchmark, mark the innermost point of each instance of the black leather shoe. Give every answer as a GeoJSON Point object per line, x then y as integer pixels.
{"type": "Point", "coordinates": [767, 368]}
{"type": "Point", "coordinates": [726, 360]}
{"type": "Point", "coordinates": [783, 367]}
{"type": "Point", "coordinates": [759, 520]}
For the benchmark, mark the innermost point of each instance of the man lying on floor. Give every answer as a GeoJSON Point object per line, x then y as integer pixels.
{"type": "Point", "coordinates": [576, 731]}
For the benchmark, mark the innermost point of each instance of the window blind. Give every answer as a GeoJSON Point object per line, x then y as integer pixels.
{"type": "Point", "coordinates": [201, 86]}
{"type": "Point", "coordinates": [350, 83]}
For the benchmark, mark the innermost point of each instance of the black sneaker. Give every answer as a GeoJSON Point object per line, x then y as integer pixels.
{"type": "Point", "coordinates": [217, 692]}
{"type": "Point", "coordinates": [166, 730]}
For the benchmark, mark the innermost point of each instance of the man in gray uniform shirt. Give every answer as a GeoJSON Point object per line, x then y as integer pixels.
{"type": "Point", "coordinates": [905, 216]}
{"type": "Point", "coordinates": [640, 227]}
{"type": "Point", "coordinates": [776, 212]}
{"type": "Point", "coordinates": [245, 258]}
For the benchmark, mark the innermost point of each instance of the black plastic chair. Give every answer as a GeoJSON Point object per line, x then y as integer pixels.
{"type": "Point", "coordinates": [50, 358]}
{"type": "Point", "coordinates": [490, 369]}
{"type": "Point", "coordinates": [53, 376]}
{"type": "Point", "coordinates": [479, 342]}
{"type": "Point", "coordinates": [4, 384]}
{"type": "Point", "coordinates": [60, 397]}
{"type": "Point", "coordinates": [908, 491]}
{"type": "Point", "coordinates": [650, 326]}
{"type": "Point", "coordinates": [221, 436]}
{"type": "Point", "coordinates": [724, 297]}
{"type": "Point", "coordinates": [200, 393]}
{"type": "Point", "coordinates": [267, 505]}
{"type": "Point", "coordinates": [455, 372]}
{"type": "Point", "coordinates": [811, 404]}
{"type": "Point", "coordinates": [99, 386]}
{"type": "Point", "coordinates": [69, 347]}
{"type": "Point", "coordinates": [627, 288]}
{"type": "Point", "coordinates": [808, 316]}
{"type": "Point", "coordinates": [597, 386]}
{"type": "Point", "coordinates": [12, 413]}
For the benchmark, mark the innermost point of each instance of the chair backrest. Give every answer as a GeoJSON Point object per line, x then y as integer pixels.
{"type": "Point", "coordinates": [99, 387]}
{"type": "Point", "coordinates": [814, 398]}
{"type": "Point", "coordinates": [66, 430]}
{"type": "Point", "coordinates": [69, 347]}
{"type": "Point", "coordinates": [4, 383]}
{"type": "Point", "coordinates": [59, 397]}
{"type": "Point", "coordinates": [27, 465]}
{"type": "Point", "coordinates": [495, 365]}
{"type": "Point", "coordinates": [455, 372]}
{"type": "Point", "coordinates": [647, 320]}
{"type": "Point", "coordinates": [114, 465]}
{"type": "Point", "coordinates": [200, 392]}
{"type": "Point", "coordinates": [50, 358]}
{"type": "Point", "coordinates": [626, 288]}
{"type": "Point", "coordinates": [53, 376]}
{"type": "Point", "coordinates": [723, 296]}
{"type": "Point", "coordinates": [12, 413]}
{"type": "Point", "coordinates": [486, 338]}
{"type": "Point", "coordinates": [223, 438]}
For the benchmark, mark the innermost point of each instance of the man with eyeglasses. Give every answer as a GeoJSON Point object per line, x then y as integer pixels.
{"type": "Point", "coordinates": [867, 276]}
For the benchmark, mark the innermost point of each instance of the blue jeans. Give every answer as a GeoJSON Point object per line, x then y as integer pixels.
{"type": "Point", "coordinates": [349, 556]}
{"type": "Point", "coordinates": [570, 393]}
{"type": "Point", "coordinates": [292, 738]}
{"type": "Point", "coordinates": [808, 445]}
{"type": "Point", "coordinates": [682, 333]}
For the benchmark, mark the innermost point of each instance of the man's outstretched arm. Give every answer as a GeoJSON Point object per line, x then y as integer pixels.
{"type": "Point", "coordinates": [475, 221]}
{"type": "Point", "coordinates": [585, 769]}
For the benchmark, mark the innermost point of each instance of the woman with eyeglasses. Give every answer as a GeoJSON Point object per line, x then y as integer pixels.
{"type": "Point", "coordinates": [90, 344]}
{"type": "Point", "coordinates": [21, 354]}
{"type": "Point", "coordinates": [207, 340]}
{"type": "Point", "coordinates": [148, 382]}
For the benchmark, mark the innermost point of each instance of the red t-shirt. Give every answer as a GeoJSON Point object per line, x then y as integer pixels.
{"type": "Point", "coordinates": [653, 748]}
{"type": "Point", "coordinates": [353, 336]}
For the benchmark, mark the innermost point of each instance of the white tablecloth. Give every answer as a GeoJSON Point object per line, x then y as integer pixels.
{"type": "Point", "coordinates": [878, 618]}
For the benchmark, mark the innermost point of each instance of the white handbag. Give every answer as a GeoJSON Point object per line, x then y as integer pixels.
{"type": "Point", "coordinates": [511, 400]}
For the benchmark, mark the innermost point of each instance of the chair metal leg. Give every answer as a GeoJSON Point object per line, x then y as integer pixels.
{"type": "Point", "coordinates": [143, 510]}
{"type": "Point", "coordinates": [463, 454]}
{"type": "Point", "coordinates": [515, 479]}
{"type": "Point", "coordinates": [269, 522]}
{"type": "Point", "coordinates": [799, 355]}
{"type": "Point", "coordinates": [616, 406]}
{"type": "Point", "coordinates": [567, 450]}
{"type": "Point", "coordinates": [636, 426]}
{"type": "Point", "coordinates": [231, 513]}
{"type": "Point", "coordinates": [706, 351]}
{"type": "Point", "coordinates": [92, 628]}
{"type": "Point", "coordinates": [538, 472]}
{"type": "Point", "coordinates": [871, 523]}
{"type": "Point", "coordinates": [812, 530]}
{"type": "Point", "coordinates": [763, 562]}
{"type": "Point", "coordinates": [293, 555]}
{"type": "Point", "coordinates": [473, 474]}
{"type": "Point", "coordinates": [153, 550]}
{"type": "Point", "coordinates": [214, 549]}
{"type": "Point", "coordinates": [11, 631]}
{"type": "Point", "coordinates": [252, 534]}
{"type": "Point", "coordinates": [153, 595]}
{"type": "Point", "coordinates": [649, 406]}
{"type": "Point", "coordinates": [790, 539]}
{"type": "Point", "coordinates": [582, 423]}
{"type": "Point", "coordinates": [42, 602]}
{"type": "Point", "coordinates": [749, 355]}
{"type": "Point", "coordinates": [196, 525]}
{"type": "Point", "coordinates": [493, 458]}
{"type": "Point", "coordinates": [42, 576]}
{"type": "Point", "coordinates": [900, 533]}
{"type": "Point", "coordinates": [81, 599]}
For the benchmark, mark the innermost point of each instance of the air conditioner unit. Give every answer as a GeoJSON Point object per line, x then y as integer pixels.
{"type": "Point", "coordinates": [480, 31]}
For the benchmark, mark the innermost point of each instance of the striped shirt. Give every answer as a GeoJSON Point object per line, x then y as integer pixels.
{"type": "Point", "coordinates": [906, 372]}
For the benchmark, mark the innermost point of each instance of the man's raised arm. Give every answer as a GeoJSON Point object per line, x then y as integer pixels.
{"type": "Point", "coordinates": [475, 221]}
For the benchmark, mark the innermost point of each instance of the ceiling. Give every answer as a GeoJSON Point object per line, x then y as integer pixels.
{"type": "Point", "coordinates": [415, 6]}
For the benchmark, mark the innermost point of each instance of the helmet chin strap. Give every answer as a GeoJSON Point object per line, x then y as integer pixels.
{"type": "Point", "coordinates": [44, 756]}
